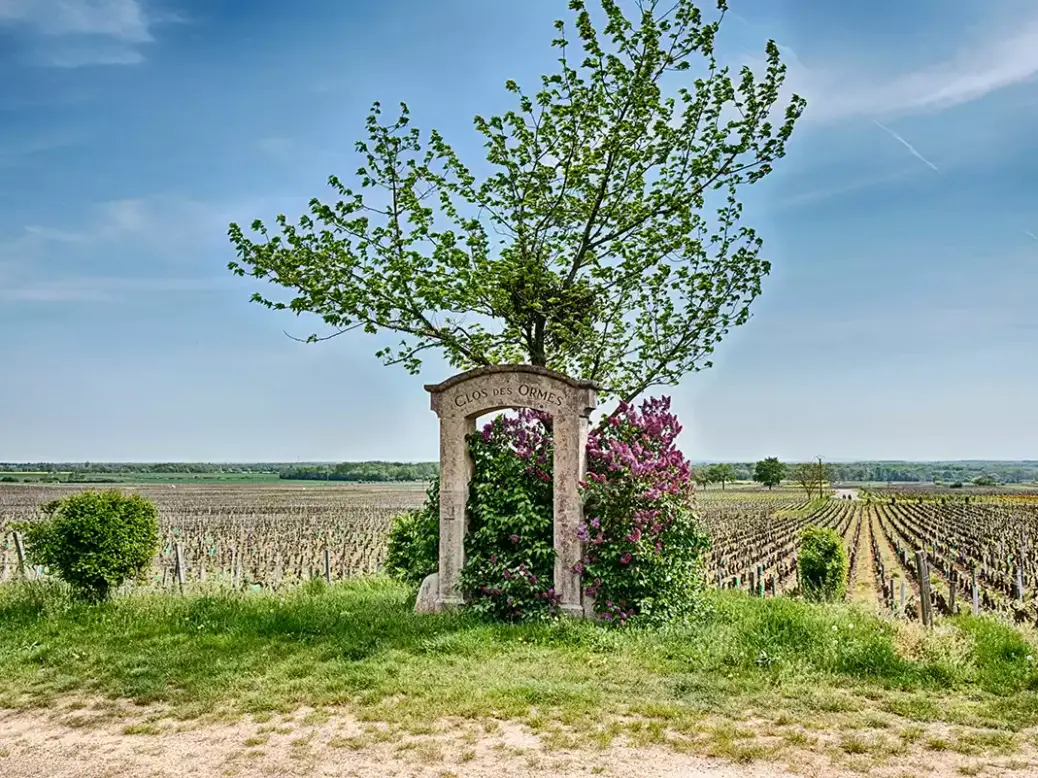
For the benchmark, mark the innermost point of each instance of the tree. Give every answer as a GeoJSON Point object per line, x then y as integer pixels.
{"type": "Point", "coordinates": [702, 477]}
{"type": "Point", "coordinates": [804, 475]}
{"type": "Point", "coordinates": [606, 239]}
{"type": "Point", "coordinates": [769, 472]}
{"type": "Point", "coordinates": [823, 473]}
{"type": "Point", "coordinates": [721, 474]}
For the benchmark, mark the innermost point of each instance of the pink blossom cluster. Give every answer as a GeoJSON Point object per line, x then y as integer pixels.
{"type": "Point", "coordinates": [527, 433]}
{"type": "Point", "coordinates": [634, 471]}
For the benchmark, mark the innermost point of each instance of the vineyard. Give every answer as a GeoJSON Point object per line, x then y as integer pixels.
{"type": "Point", "coordinates": [976, 550]}
{"type": "Point", "coordinates": [248, 535]}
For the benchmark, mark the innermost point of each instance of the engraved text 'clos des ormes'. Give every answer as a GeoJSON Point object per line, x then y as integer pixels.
{"type": "Point", "coordinates": [504, 392]}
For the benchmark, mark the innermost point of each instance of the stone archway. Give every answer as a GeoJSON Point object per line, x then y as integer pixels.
{"type": "Point", "coordinates": [458, 402]}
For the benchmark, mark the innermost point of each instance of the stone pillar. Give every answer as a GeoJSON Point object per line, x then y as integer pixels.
{"type": "Point", "coordinates": [570, 437]}
{"type": "Point", "coordinates": [455, 474]}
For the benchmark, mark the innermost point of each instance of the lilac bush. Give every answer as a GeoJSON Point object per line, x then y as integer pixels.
{"type": "Point", "coordinates": [509, 552]}
{"type": "Point", "coordinates": [643, 544]}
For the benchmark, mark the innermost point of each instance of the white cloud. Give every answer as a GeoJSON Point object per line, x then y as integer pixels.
{"type": "Point", "coordinates": [74, 33]}
{"type": "Point", "coordinates": [120, 19]}
{"type": "Point", "coordinates": [996, 60]}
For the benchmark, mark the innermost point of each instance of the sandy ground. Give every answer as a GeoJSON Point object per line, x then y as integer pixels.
{"type": "Point", "coordinates": [846, 494]}
{"type": "Point", "coordinates": [106, 743]}
{"type": "Point", "coordinates": [35, 746]}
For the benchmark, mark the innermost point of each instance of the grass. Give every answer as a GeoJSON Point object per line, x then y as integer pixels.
{"type": "Point", "coordinates": [360, 645]}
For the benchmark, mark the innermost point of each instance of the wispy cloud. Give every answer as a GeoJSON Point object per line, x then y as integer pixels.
{"type": "Point", "coordinates": [1031, 234]}
{"type": "Point", "coordinates": [845, 187]}
{"type": "Point", "coordinates": [74, 33]}
{"type": "Point", "coordinates": [104, 289]}
{"type": "Point", "coordinates": [912, 149]}
{"type": "Point", "coordinates": [995, 60]}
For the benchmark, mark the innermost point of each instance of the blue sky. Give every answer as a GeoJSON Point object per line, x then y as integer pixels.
{"type": "Point", "coordinates": [899, 320]}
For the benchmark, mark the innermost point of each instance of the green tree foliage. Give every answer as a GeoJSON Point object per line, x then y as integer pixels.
{"type": "Point", "coordinates": [812, 477]}
{"type": "Point", "coordinates": [364, 472]}
{"type": "Point", "coordinates": [822, 564]}
{"type": "Point", "coordinates": [606, 239]}
{"type": "Point", "coordinates": [769, 472]}
{"type": "Point", "coordinates": [95, 540]}
{"type": "Point", "coordinates": [413, 551]}
{"type": "Point", "coordinates": [721, 474]}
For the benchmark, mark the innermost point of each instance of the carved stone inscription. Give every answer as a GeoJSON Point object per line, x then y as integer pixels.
{"type": "Point", "coordinates": [523, 391]}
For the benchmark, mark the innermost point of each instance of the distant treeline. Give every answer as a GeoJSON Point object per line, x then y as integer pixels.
{"type": "Point", "coordinates": [95, 472]}
{"type": "Point", "coordinates": [147, 467]}
{"type": "Point", "coordinates": [1015, 472]}
{"type": "Point", "coordinates": [1008, 472]}
{"type": "Point", "coordinates": [365, 472]}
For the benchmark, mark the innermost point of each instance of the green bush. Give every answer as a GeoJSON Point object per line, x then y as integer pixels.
{"type": "Point", "coordinates": [414, 540]}
{"type": "Point", "coordinates": [822, 564]}
{"type": "Point", "coordinates": [95, 540]}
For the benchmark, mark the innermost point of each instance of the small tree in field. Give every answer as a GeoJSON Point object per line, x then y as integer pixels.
{"type": "Point", "coordinates": [822, 564]}
{"type": "Point", "coordinates": [721, 474]}
{"type": "Point", "coordinates": [95, 540]}
{"type": "Point", "coordinates": [769, 472]}
{"type": "Point", "coordinates": [606, 239]}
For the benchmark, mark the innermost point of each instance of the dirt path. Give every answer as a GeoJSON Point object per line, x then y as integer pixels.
{"type": "Point", "coordinates": [34, 745]}
{"type": "Point", "coordinates": [123, 741]}
{"type": "Point", "coordinates": [846, 494]}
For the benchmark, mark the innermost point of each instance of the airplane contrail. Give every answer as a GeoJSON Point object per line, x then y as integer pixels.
{"type": "Point", "coordinates": [1031, 234]}
{"type": "Point", "coordinates": [908, 146]}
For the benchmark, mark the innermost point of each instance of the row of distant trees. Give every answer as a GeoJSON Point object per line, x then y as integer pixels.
{"type": "Point", "coordinates": [812, 477]}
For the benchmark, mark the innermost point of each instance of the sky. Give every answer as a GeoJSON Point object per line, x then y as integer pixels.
{"type": "Point", "coordinates": [898, 322]}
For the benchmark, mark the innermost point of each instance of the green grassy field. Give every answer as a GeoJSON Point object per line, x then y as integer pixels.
{"type": "Point", "coordinates": [768, 670]}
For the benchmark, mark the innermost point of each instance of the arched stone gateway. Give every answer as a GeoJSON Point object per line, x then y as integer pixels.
{"type": "Point", "coordinates": [458, 402]}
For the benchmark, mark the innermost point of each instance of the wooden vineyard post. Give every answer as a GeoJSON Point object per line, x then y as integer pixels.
{"type": "Point", "coordinates": [902, 596]}
{"type": "Point", "coordinates": [976, 594]}
{"type": "Point", "coordinates": [925, 603]}
{"type": "Point", "coordinates": [327, 566]}
{"type": "Point", "coordinates": [753, 586]}
{"type": "Point", "coordinates": [178, 551]}
{"type": "Point", "coordinates": [774, 586]}
{"type": "Point", "coordinates": [19, 550]}
{"type": "Point", "coordinates": [1020, 582]}
{"type": "Point", "coordinates": [953, 580]}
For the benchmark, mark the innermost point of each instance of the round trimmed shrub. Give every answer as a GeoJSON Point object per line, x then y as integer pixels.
{"type": "Point", "coordinates": [95, 541]}
{"type": "Point", "coordinates": [822, 564]}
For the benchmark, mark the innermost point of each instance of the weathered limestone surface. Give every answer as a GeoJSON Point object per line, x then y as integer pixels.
{"type": "Point", "coordinates": [458, 402]}
{"type": "Point", "coordinates": [428, 593]}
